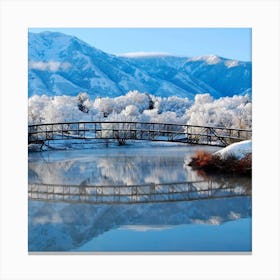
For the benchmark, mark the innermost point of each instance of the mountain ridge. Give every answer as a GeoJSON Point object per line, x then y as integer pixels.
{"type": "Point", "coordinates": [61, 64]}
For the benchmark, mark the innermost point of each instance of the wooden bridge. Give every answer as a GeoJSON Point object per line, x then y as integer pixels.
{"type": "Point", "coordinates": [122, 131]}
{"type": "Point", "coordinates": [128, 194]}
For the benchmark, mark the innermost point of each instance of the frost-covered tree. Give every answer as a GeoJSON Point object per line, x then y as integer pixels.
{"type": "Point", "coordinates": [105, 105]}
{"type": "Point", "coordinates": [140, 100]}
{"type": "Point", "coordinates": [44, 109]}
{"type": "Point", "coordinates": [130, 110]}
{"type": "Point", "coordinates": [172, 104]}
{"type": "Point", "coordinates": [83, 97]}
{"type": "Point", "coordinates": [234, 112]}
{"type": "Point", "coordinates": [36, 105]}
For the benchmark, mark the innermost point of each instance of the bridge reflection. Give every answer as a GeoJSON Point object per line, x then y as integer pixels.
{"type": "Point", "coordinates": [130, 194]}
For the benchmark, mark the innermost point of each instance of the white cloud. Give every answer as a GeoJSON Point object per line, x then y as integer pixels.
{"type": "Point", "coordinates": [143, 54]}
{"type": "Point", "coordinates": [52, 66]}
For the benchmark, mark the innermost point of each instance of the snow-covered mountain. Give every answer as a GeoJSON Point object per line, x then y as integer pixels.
{"type": "Point", "coordinates": [61, 64]}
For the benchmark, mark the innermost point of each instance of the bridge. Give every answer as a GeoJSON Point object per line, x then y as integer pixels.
{"type": "Point", "coordinates": [129, 194]}
{"type": "Point", "coordinates": [122, 131]}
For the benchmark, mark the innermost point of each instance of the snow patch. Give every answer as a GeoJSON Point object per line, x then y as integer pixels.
{"type": "Point", "coordinates": [238, 150]}
{"type": "Point", "coordinates": [52, 66]}
{"type": "Point", "coordinates": [209, 59]}
{"type": "Point", "coordinates": [143, 54]}
{"type": "Point", "coordinates": [231, 63]}
{"type": "Point", "coordinates": [234, 216]}
{"type": "Point", "coordinates": [144, 228]}
{"type": "Point", "coordinates": [213, 220]}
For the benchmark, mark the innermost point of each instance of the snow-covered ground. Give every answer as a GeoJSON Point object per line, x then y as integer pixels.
{"type": "Point", "coordinates": [238, 150]}
{"type": "Point", "coordinates": [97, 144]}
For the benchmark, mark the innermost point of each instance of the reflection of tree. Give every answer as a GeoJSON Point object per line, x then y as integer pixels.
{"type": "Point", "coordinates": [141, 169]}
{"type": "Point", "coordinates": [121, 168]}
{"type": "Point", "coordinates": [236, 182]}
{"type": "Point", "coordinates": [52, 171]}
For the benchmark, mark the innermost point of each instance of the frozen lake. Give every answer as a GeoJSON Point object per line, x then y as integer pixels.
{"type": "Point", "coordinates": [221, 224]}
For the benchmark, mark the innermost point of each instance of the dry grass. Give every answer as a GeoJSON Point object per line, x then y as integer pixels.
{"type": "Point", "coordinates": [211, 163]}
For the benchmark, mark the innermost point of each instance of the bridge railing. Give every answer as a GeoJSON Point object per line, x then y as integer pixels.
{"type": "Point", "coordinates": [161, 192]}
{"type": "Point", "coordinates": [219, 136]}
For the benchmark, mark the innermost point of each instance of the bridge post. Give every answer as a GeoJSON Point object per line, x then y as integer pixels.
{"type": "Point", "coordinates": [171, 192]}
{"type": "Point", "coordinates": [209, 137]}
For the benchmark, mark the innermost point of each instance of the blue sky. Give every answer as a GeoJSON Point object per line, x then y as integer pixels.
{"type": "Point", "coordinates": [234, 43]}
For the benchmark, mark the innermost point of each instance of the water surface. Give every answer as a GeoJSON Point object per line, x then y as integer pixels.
{"type": "Point", "coordinates": [222, 224]}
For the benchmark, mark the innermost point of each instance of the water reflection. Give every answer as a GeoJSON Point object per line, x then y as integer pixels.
{"type": "Point", "coordinates": [63, 226]}
{"type": "Point", "coordinates": [147, 193]}
{"type": "Point", "coordinates": [122, 166]}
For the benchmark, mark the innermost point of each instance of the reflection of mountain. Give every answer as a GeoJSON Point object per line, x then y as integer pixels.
{"type": "Point", "coordinates": [63, 226]}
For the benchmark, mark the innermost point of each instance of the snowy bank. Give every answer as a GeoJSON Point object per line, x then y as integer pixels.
{"type": "Point", "coordinates": [234, 159]}
{"type": "Point", "coordinates": [238, 150]}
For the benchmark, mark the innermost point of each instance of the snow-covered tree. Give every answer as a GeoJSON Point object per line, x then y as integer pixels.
{"type": "Point", "coordinates": [234, 112]}
{"type": "Point", "coordinates": [140, 100]}
{"type": "Point", "coordinates": [83, 97]}
{"type": "Point", "coordinates": [105, 105]}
